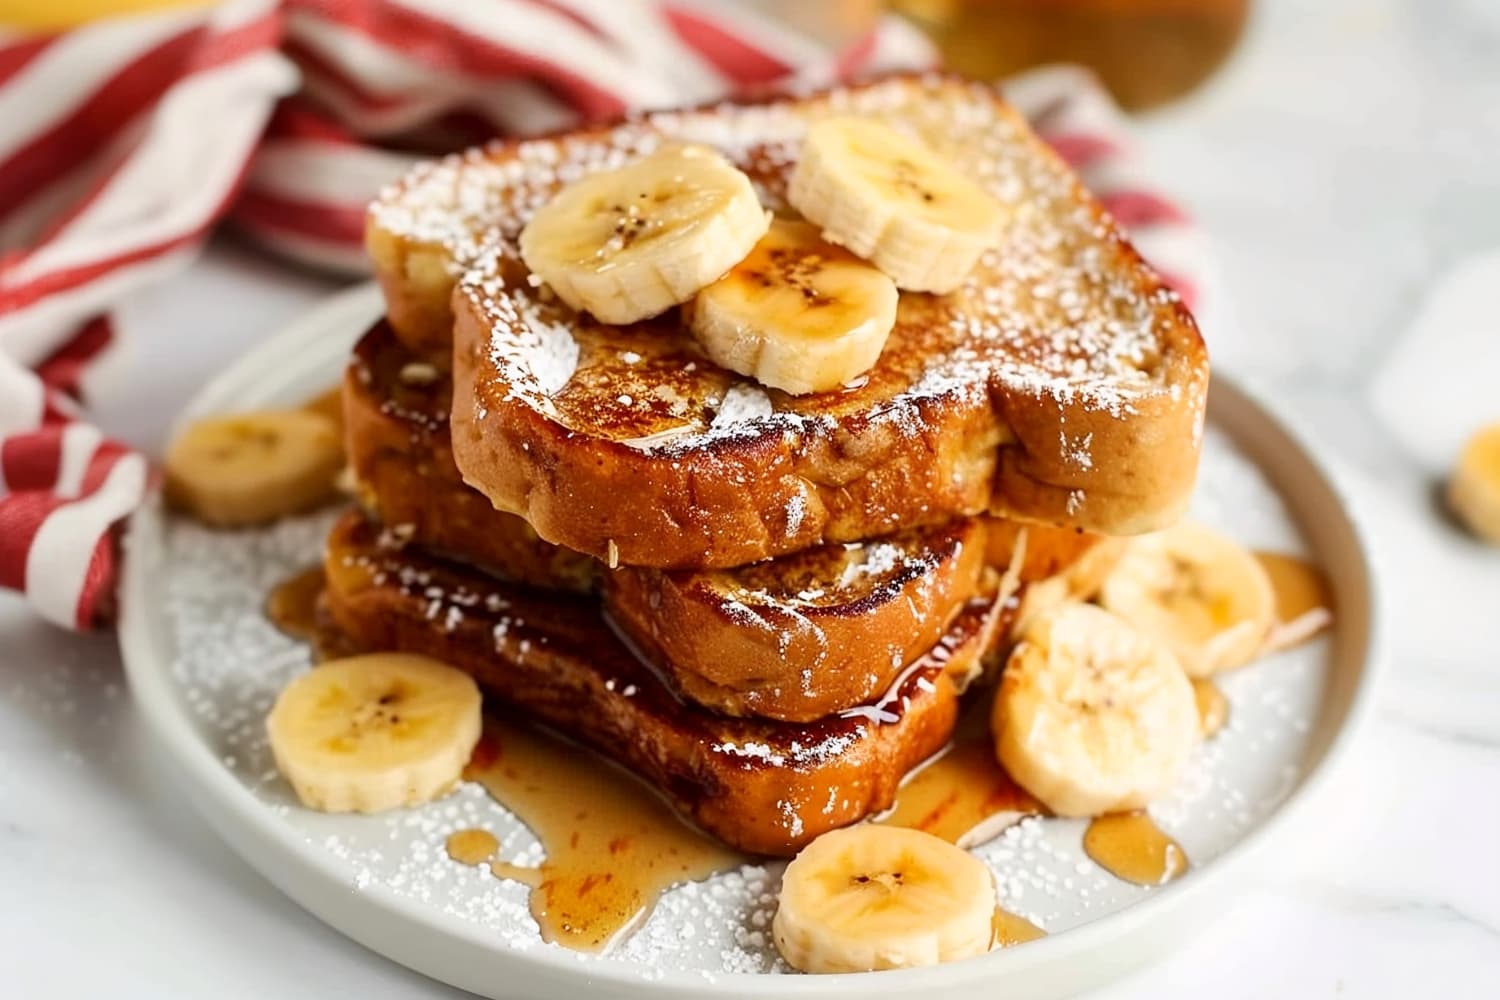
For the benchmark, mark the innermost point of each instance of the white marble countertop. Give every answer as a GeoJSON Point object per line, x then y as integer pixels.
{"type": "Point", "coordinates": [1344, 168]}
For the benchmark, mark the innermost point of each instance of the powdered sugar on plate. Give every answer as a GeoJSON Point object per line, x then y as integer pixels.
{"type": "Point", "coordinates": [232, 662]}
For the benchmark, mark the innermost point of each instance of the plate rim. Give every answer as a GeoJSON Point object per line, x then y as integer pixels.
{"type": "Point", "coordinates": [451, 950]}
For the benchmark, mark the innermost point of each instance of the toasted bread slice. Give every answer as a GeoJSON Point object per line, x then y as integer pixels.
{"type": "Point", "coordinates": [805, 635]}
{"type": "Point", "coordinates": [1062, 383]}
{"type": "Point", "coordinates": [396, 433]}
{"type": "Point", "coordinates": [763, 787]}
{"type": "Point", "coordinates": [796, 638]}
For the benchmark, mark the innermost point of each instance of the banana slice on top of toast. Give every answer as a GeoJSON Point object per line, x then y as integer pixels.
{"type": "Point", "coordinates": [798, 314]}
{"type": "Point", "coordinates": [631, 243]}
{"type": "Point", "coordinates": [894, 201]}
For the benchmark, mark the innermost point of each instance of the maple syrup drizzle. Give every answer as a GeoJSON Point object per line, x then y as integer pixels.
{"type": "Point", "coordinates": [1132, 847]}
{"type": "Point", "coordinates": [612, 847]}
{"type": "Point", "coordinates": [1011, 929]}
{"type": "Point", "coordinates": [1213, 707]}
{"type": "Point", "coordinates": [964, 796]}
{"type": "Point", "coordinates": [292, 605]}
{"type": "Point", "coordinates": [472, 846]}
{"type": "Point", "coordinates": [1304, 599]}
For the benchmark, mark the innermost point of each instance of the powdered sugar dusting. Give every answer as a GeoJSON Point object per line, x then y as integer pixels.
{"type": "Point", "coordinates": [231, 663]}
{"type": "Point", "coordinates": [1061, 309]}
{"type": "Point", "coordinates": [744, 402]}
{"type": "Point", "coordinates": [551, 354]}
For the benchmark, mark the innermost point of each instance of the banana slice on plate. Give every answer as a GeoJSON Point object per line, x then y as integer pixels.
{"type": "Point", "coordinates": [892, 200]}
{"type": "Point", "coordinates": [1202, 594]}
{"type": "Point", "coordinates": [254, 467]}
{"type": "Point", "coordinates": [881, 897]}
{"type": "Point", "coordinates": [798, 314]}
{"type": "Point", "coordinates": [374, 732]}
{"type": "Point", "coordinates": [631, 243]}
{"type": "Point", "coordinates": [1474, 490]}
{"type": "Point", "coordinates": [1091, 715]}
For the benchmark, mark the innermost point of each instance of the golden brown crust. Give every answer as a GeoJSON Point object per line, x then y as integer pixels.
{"type": "Point", "coordinates": [796, 638]}
{"type": "Point", "coordinates": [1064, 383]}
{"type": "Point", "coordinates": [763, 787]}
{"type": "Point", "coordinates": [415, 278]}
{"type": "Point", "coordinates": [806, 635]}
{"type": "Point", "coordinates": [732, 500]}
{"type": "Point", "coordinates": [397, 440]}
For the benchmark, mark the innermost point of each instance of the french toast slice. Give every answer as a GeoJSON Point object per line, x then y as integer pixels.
{"type": "Point", "coordinates": [795, 639]}
{"type": "Point", "coordinates": [804, 635]}
{"type": "Point", "coordinates": [762, 787]}
{"type": "Point", "coordinates": [1063, 383]}
{"type": "Point", "coordinates": [396, 435]}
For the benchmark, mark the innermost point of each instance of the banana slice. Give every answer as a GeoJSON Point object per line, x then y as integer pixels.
{"type": "Point", "coordinates": [1092, 716]}
{"type": "Point", "coordinates": [881, 897]}
{"type": "Point", "coordinates": [798, 314]}
{"type": "Point", "coordinates": [1199, 592]}
{"type": "Point", "coordinates": [895, 202]}
{"type": "Point", "coordinates": [374, 732]}
{"type": "Point", "coordinates": [1474, 490]}
{"type": "Point", "coordinates": [254, 467]}
{"type": "Point", "coordinates": [631, 243]}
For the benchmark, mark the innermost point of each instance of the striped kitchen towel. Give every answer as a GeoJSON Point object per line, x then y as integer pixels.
{"type": "Point", "coordinates": [124, 142]}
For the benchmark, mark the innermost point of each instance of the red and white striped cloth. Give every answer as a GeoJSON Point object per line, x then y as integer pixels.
{"type": "Point", "coordinates": [124, 142]}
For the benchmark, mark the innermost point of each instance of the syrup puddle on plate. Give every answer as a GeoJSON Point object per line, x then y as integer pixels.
{"type": "Point", "coordinates": [963, 795]}
{"type": "Point", "coordinates": [1011, 930]}
{"type": "Point", "coordinates": [1304, 600]}
{"type": "Point", "coordinates": [1300, 586]}
{"type": "Point", "coordinates": [612, 846]}
{"type": "Point", "coordinates": [1132, 847]}
{"type": "Point", "coordinates": [292, 605]}
{"type": "Point", "coordinates": [472, 846]}
{"type": "Point", "coordinates": [1213, 707]}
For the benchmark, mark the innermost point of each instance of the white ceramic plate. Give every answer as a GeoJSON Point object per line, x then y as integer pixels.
{"type": "Point", "coordinates": [204, 665]}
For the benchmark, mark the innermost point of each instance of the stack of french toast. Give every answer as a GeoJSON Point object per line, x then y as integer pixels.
{"type": "Point", "coordinates": [737, 443]}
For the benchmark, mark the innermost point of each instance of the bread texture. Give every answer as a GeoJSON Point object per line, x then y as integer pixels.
{"type": "Point", "coordinates": [805, 635]}
{"type": "Point", "coordinates": [760, 786]}
{"type": "Point", "coordinates": [794, 638]}
{"type": "Point", "coordinates": [1063, 383]}
{"type": "Point", "coordinates": [396, 435]}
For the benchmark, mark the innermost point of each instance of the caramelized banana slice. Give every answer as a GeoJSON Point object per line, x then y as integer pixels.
{"type": "Point", "coordinates": [798, 314]}
{"type": "Point", "coordinates": [631, 243]}
{"type": "Point", "coordinates": [892, 200]}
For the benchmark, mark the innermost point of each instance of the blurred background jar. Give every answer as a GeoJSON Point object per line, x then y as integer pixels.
{"type": "Point", "coordinates": [1147, 52]}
